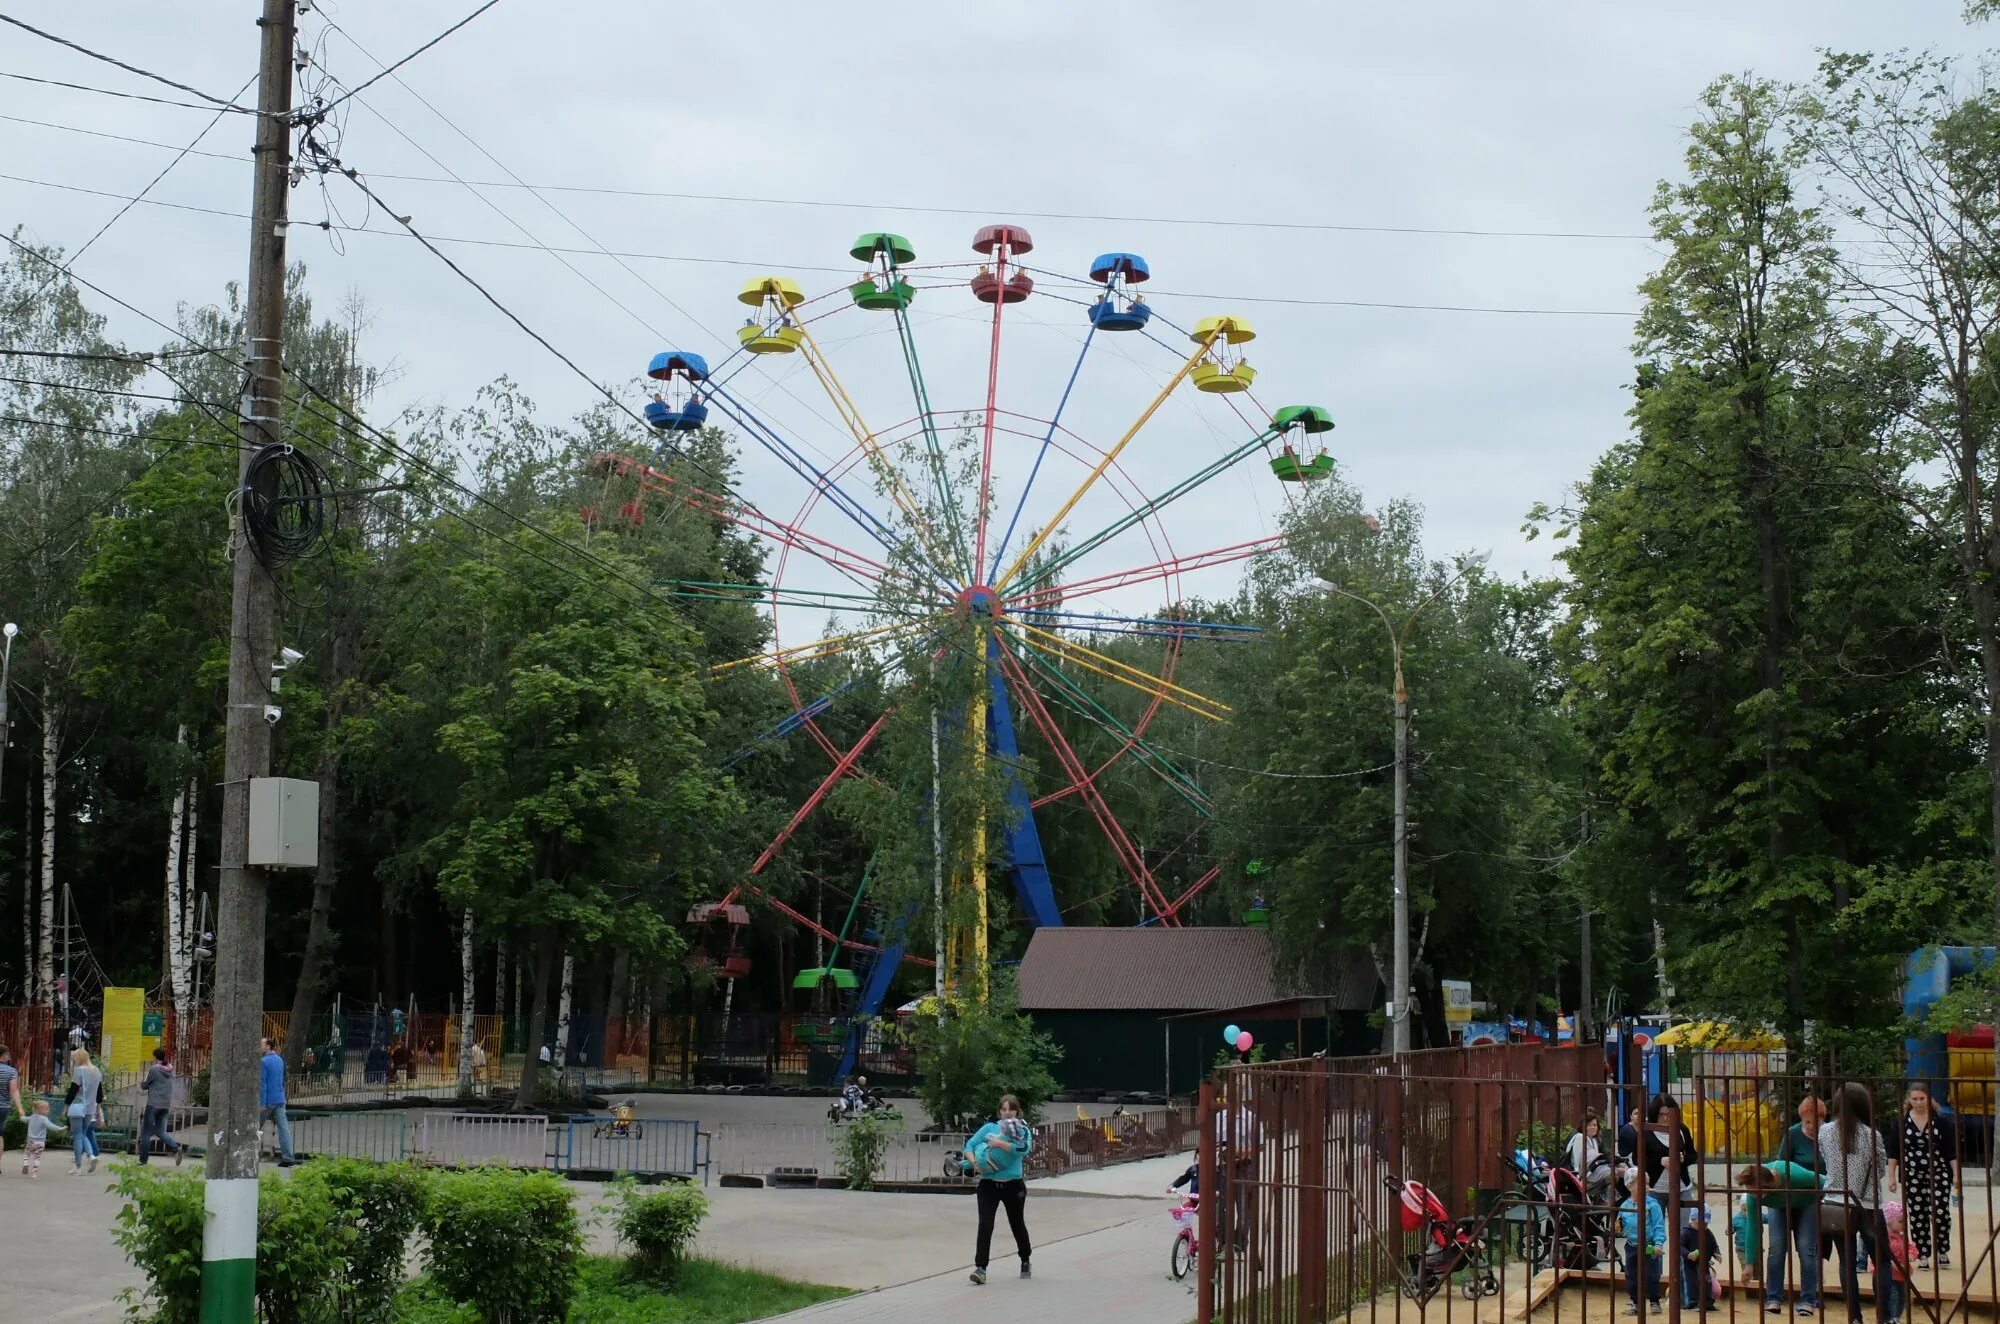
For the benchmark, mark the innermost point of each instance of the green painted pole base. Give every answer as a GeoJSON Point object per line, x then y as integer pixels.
{"type": "Point", "coordinates": [229, 1251]}
{"type": "Point", "coordinates": [228, 1291]}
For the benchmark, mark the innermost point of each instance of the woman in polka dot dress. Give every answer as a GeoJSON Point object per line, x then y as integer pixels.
{"type": "Point", "coordinates": [1926, 1163]}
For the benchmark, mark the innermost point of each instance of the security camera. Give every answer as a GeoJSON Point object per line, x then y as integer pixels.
{"type": "Point", "coordinates": [291, 657]}
{"type": "Point", "coordinates": [272, 712]}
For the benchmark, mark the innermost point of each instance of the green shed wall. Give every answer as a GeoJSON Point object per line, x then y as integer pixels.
{"type": "Point", "coordinates": [1120, 1051]}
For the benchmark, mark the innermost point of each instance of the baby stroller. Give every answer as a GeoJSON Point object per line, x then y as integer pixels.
{"type": "Point", "coordinates": [1449, 1246]}
{"type": "Point", "coordinates": [1569, 1223]}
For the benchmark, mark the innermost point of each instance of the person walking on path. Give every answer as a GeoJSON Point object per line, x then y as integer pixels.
{"type": "Point", "coordinates": [158, 1084]}
{"type": "Point", "coordinates": [997, 1149]}
{"type": "Point", "coordinates": [271, 1098]}
{"type": "Point", "coordinates": [1924, 1158]}
{"type": "Point", "coordinates": [86, 1110]}
{"type": "Point", "coordinates": [39, 1126]}
{"type": "Point", "coordinates": [1856, 1167]}
{"type": "Point", "coordinates": [10, 1095]}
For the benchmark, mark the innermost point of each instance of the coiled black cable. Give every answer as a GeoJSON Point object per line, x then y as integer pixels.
{"type": "Point", "coordinates": [284, 499]}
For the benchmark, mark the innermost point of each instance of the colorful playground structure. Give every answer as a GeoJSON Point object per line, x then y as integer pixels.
{"type": "Point", "coordinates": [1026, 598]}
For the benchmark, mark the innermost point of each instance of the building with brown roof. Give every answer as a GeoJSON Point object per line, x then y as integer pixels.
{"type": "Point", "coordinates": [1144, 1008]}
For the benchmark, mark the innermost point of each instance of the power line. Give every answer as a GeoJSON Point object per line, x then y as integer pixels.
{"type": "Point", "coordinates": [107, 92]}
{"type": "Point", "coordinates": [879, 207]}
{"type": "Point", "coordinates": [130, 203]}
{"type": "Point", "coordinates": [430, 240]}
{"type": "Point", "coordinates": [129, 68]}
{"type": "Point", "coordinates": [390, 69]}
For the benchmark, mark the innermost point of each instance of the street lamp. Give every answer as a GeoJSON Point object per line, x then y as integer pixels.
{"type": "Point", "coordinates": [9, 630]}
{"type": "Point", "coordinates": [1399, 994]}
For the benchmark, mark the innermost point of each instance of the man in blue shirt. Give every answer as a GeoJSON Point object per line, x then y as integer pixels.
{"type": "Point", "coordinates": [271, 1098]}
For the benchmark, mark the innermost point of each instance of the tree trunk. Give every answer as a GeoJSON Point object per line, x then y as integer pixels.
{"type": "Point", "coordinates": [1987, 619]}
{"type": "Point", "coordinates": [614, 1002]}
{"type": "Point", "coordinates": [563, 1012]}
{"type": "Point", "coordinates": [318, 958]}
{"type": "Point", "coordinates": [531, 1060]}
{"type": "Point", "coordinates": [500, 978]}
{"type": "Point", "coordinates": [465, 1005]}
{"type": "Point", "coordinates": [387, 986]}
{"type": "Point", "coordinates": [45, 969]}
{"type": "Point", "coordinates": [177, 883]}
{"type": "Point", "coordinates": [31, 993]}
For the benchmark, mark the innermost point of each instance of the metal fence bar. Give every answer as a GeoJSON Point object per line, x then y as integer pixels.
{"type": "Point", "coordinates": [465, 1139]}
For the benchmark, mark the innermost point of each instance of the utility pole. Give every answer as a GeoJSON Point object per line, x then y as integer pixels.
{"type": "Point", "coordinates": [1399, 1006]}
{"type": "Point", "coordinates": [1584, 1013]}
{"type": "Point", "coordinates": [229, 1241]}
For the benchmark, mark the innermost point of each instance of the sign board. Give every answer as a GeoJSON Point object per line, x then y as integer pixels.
{"type": "Point", "coordinates": [153, 1025]}
{"type": "Point", "coordinates": [1457, 1000]}
{"type": "Point", "coordinates": [124, 1029]}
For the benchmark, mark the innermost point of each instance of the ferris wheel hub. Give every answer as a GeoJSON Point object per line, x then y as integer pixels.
{"type": "Point", "coordinates": [981, 600]}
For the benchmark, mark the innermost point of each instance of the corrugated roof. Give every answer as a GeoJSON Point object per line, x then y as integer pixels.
{"type": "Point", "coordinates": [1161, 969]}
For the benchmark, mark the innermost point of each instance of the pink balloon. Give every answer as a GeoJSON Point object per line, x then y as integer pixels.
{"type": "Point", "coordinates": [1243, 1042]}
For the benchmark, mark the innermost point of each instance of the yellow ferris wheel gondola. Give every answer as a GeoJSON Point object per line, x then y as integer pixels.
{"type": "Point", "coordinates": [1225, 369]}
{"type": "Point", "coordinates": [773, 332]}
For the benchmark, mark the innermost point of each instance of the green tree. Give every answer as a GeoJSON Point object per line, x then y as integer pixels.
{"type": "Point", "coordinates": [1749, 624]}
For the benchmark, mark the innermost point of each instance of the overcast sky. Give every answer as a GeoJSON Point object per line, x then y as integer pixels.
{"type": "Point", "coordinates": [1440, 116]}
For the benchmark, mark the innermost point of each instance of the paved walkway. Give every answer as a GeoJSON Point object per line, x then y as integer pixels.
{"type": "Point", "coordinates": [1114, 1276]}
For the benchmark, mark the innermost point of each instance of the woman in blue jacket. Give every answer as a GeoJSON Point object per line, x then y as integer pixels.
{"type": "Point", "coordinates": [996, 1150]}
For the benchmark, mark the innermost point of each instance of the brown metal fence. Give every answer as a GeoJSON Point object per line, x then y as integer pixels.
{"type": "Point", "coordinates": [1427, 1188]}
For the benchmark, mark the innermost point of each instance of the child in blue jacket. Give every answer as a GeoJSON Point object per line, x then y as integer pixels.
{"type": "Point", "coordinates": [1643, 1249]}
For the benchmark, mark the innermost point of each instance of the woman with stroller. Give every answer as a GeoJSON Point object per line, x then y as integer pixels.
{"type": "Point", "coordinates": [1856, 1167]}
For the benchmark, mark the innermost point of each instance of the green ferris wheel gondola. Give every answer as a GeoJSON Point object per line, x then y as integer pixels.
{"type": "Point", "coordinates": [882, 289]}
{"type": "Point", "coordinates": [1307, 420]}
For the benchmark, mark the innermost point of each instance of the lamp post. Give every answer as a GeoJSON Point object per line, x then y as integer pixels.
{"type": "Point", "coordinates": [1399, 994]}
{"type": "Point", "coordinates": [7, 633]}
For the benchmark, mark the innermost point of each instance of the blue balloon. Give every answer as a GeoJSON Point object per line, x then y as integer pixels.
{"type": "Point", "coordinates": [1229, 1033]}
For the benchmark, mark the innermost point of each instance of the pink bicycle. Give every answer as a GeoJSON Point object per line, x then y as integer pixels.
{"type": "Point", "coordinates": [1187, 1217]}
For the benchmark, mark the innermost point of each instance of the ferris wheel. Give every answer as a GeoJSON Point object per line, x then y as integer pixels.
{"type": "Point", "coordinates": [881, 534]}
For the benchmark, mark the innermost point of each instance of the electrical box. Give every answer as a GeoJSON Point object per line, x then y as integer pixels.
{"type": "Point", "coordinates": [284, 823]}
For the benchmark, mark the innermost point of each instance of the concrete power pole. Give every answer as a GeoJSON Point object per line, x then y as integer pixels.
{"type": "Point", "coordinates": [229, 1243]}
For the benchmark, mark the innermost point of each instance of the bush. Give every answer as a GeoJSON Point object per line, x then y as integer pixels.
{"type": "Point", "coordinates": [978, 1052]}
{"type": "Point", "coordinates": [382, 1205]}
{"type": "Point", "coordinates": [302, 1245]}
{"type": "Point", "coordinates": [506, 1242]}
{"type": "Point", "coordinates": [859, 1151]}
{"type": "Point", "coordinates": [159, 1229]}
{"type": "Point", "coordinates": [302, 1248]}
{"type": "Point", "coordinates": [659, 1227]}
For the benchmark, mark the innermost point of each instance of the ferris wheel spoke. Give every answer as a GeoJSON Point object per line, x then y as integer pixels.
{"type": "Point", "coordinates": [787, 454]}
{"type": "Point", "coordinates": [1194, 890]}
{"type": "Point", "coordinates": [1049, 529]}
{"type": "Point", "coordinates": [940, 475]}
{"type": "Point", "coordinates": [1121, 844]}
{"type": "Point", "coordinates": [1192, 482]}
{"type": "Point", "coordinates": [999, 241]}
{"type": "Point", "coordinates": [1167, 569]}
{"type": "Point", "coordinates": [830, 646]}
{"type": "Point", "coordinates": [885, 472]}
{"type": "Point", "coordinates": [851, 564]}
{"type": "Point", "coordinates": [1162, 627]}
{"type": "Point", "coordinates": [841, 768]}
{"type": "Point", "coordinates": [1111, 668]}
{"type": "Point", "coordinates": [851, 944]}
{"type": "Point", "coordinates": [1041, 453]}
{"type": "Point", "coordinates": [1142, 749]}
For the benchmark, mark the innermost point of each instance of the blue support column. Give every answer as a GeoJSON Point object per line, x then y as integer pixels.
{"type": "Point", "coordinates": [1025, 861]}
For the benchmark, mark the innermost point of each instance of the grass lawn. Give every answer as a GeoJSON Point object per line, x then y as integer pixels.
{"type": "Point", "coordinates": [708, 1293]}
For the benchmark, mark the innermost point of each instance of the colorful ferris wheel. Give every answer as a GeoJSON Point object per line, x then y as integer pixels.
{"type": "Point", "coordinates": [882, 536]}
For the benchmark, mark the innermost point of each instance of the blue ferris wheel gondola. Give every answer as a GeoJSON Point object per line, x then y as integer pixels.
{"type": "Point", "coordinates": [680, 409]}
{"type": "Point", "coordinates": [1118, 308]}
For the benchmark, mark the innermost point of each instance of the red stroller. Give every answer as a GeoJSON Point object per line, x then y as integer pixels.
{"type": "Point", "coordinates": [1450, 1246]}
